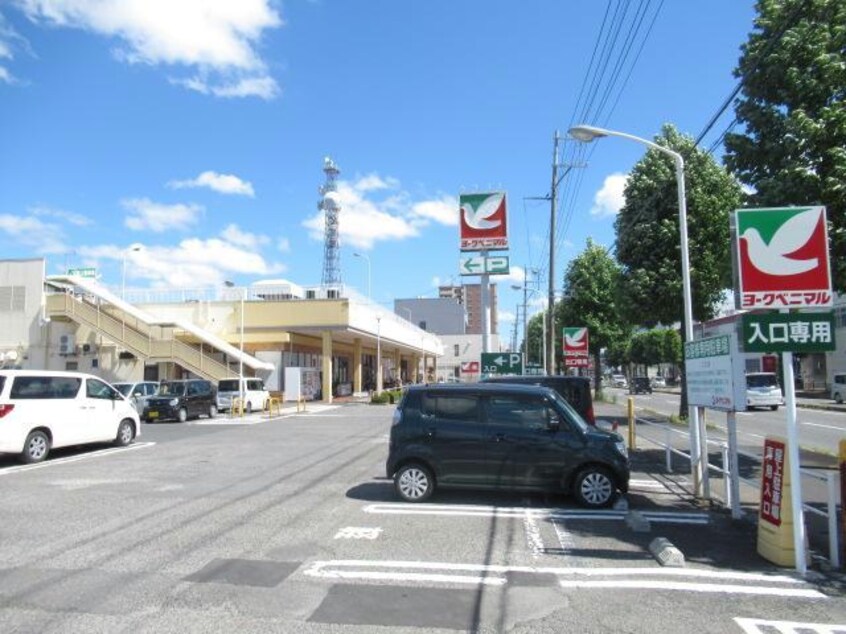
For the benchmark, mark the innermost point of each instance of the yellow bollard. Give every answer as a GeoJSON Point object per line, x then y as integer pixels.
{"type": "Point", "coordinates": [632, 430]}
{"type": "Point", "coordinates": [271, 403]}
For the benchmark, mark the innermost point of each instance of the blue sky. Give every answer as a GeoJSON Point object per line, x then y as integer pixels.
{"type": "Point", "coordinates": [198, 129]}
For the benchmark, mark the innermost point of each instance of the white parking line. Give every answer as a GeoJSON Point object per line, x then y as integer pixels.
{"type": "Point", "coordinates": [760, 626]}
{"type": "Point", "coordinates": [85, 456]}
{"type": "Point", "coordinates": [824, 426]}
{"type": "Point", "coordinates": [458, 510]}
{"type": "Point", "coordinates": [679, 579]}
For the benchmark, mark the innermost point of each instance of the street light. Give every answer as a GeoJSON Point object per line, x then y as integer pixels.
{"type": "Point", "coordinates": [241, 348]}
{"type": "Point", "coordinates": [587, 134]}
{"type": "Point", "coordinates": [367, 258]}
{"type": "Point", "coordinates": [378, 354]}
{"type": "Point", "coordinates": [133, 248]}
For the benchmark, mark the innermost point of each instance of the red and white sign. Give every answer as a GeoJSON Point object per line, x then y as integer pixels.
{"type": "Point", "coordinates": [470, 367]}
{"type": "Point", "coordinates": [772, 481]}
{"type": "Point", "coordinates": [576, 362]}
{"type": "Point", "coordinates": [782, 258]}
{"type": "Point", "coordinates": [483, 221]}
{"type": "Point", "coordinates": [576, 341]}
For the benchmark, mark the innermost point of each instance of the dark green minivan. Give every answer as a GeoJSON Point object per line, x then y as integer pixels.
{"type": "Point", "coordinates": [501, 436]}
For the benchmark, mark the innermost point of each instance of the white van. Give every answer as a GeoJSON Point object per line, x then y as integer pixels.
{"type": "Point", "coordinates": [762, 390]}
{"type": "Point", "coordinates": [253, 391]}
{"type": "Point", "coordinates": [838, 387]}
{"type": "Point", "coordinates": [41, 410]}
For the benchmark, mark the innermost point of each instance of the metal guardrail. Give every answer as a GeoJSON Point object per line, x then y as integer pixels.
{"type": "Point", "coordinates": [830, 478]}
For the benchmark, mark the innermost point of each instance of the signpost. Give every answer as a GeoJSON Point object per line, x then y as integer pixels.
{"type": "Point", "coordinates": [478, 265]}
{"type": "Point", "coordinates": [781, 262]}
{"type": "Point", "coordinates": [89, 271]}
{"type": "Point", "coordinates": [777, 332]}
{"type": "Point", "coordinates": [470, 367]}
{"type": "Point", "coordinates": [502, 362]}
{"type": "Point", "coordinates": [576, 347]}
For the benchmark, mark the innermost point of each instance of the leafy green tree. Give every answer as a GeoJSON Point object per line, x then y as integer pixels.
{"type": "Point", "coordinates": [591, 291]}
{"type": "Point", "coordinates": [536, 343]}
{"type": "Point", "coordinates": [648, 246]}
{"type": "Point", "coordinates": [793, 148]}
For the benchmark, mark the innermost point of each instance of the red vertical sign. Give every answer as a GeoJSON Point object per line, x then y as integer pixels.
{"type": "Point", "coordinates": [772, 481]}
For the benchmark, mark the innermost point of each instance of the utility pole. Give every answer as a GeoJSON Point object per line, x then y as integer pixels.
{"type": "Point", "coordinates": [553, 198]}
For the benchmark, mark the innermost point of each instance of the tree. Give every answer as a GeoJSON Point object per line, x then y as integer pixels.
{"type": "Point", "coordinates": [591, 291]}
{"type": "Point", "coordinates": [793, 148]}
{"type": "Point", "coordinates": [647, 228]}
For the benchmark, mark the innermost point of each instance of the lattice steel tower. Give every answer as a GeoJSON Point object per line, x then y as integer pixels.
{"type": "Point", "coordinates": [331, 240]}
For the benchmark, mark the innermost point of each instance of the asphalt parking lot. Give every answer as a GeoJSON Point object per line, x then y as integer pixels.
{"type": "Point", "coordinates": [289, 524]}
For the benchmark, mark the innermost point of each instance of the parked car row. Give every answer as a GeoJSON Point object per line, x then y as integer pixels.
{"type": "Point", "coordinates": [41, 410]}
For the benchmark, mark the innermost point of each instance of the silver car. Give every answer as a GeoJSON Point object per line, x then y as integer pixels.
{"type": "Point", "coordinates": [138, 393]}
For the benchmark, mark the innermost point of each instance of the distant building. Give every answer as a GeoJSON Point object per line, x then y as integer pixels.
{"type": "Point", "coordinates": [470, 296]}
{"type": "Point", "coordinates": [441, 315]}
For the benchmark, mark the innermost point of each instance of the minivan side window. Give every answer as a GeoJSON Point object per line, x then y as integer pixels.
{"type": "Point", "coordinates": [458, 407]}
{"type": "Point", "coordinates": [517, 411]}
{"type": "Point", "coordinates": [255, 385]}
{"type": "Point", "coordinates": [41, 387]}
{"type": "Point", "coordinates": [98, 389]}
{"type": "Point", "coordinates": [838, 378]}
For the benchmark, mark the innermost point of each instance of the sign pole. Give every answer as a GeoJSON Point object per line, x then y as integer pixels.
{"type": "Point", "coordinates": [793, 458]}
{"type": "Point", "coordinates": [734, 466]}
{"type": "Point", "coordinates": [486, 313]}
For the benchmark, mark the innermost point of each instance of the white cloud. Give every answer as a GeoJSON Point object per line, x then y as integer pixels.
{"type": "Point", "coordinates": [193, 263]}
{"type": "Point", "coordinates": [221, 183]}
{"type": "Point", "coordinates": [217, 38]}
{"type": "Point", "coordinates": [365, 219]}
{"type": "Point", "coordinates": [68, 216]}
{"type": "Point", "coordinates": [252, 241]}
{"type": "Point", "coordinates": [436, 282]}
{"type": "Point", "coordinates": [283, 245]}
{"type": "Point", "coordinates": [44, 238]}
{"type": "Point", "coordinates": [158, 217]}
{"type": "Point", "coordinates": [610, 199]}
{"type": "Point", "coordinates": [506, 316]}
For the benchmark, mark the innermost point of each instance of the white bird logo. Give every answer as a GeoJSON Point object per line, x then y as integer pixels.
{"type": "Point", "coordinates": [478, 219]}
{"type": "Point", "coordinates": [792, 235]}
{"type": "Point", "coordinates": [577, 340]}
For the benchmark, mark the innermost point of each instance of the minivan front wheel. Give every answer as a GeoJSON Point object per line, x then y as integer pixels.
{"type": "Point", "coordinates": [36, 447]}
{"type": "Point", "coordinates": [414, 482]}
{"type": "Point", "coordinates": [594, 487]}
{"type": "Point", "coordinates": [212, 411]}
{"type": "Point", "coordinates": [182, 415]}
{"type": "Point", "coordinates": [125, 433]}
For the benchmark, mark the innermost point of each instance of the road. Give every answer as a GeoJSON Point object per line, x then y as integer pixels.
{"type": "Point", "coordinates": [290, 525]}
{"type": "Point", "coordinates": [819, 430]}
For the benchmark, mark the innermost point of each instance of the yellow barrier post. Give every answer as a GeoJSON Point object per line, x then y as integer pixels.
{"type": "Point", "coordinates": [301, 400]}
{"type": "Point", "coordinates": [271, 402]}
{"type": "Point", "coordinates": [632, 432]}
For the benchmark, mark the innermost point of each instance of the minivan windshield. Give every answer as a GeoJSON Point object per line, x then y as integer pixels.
{"type": "Point", "coordinates": [573, 414]}
{"type": "Point", "coordinates": [228, 385]}
{"type": "Point", "coordinates": [761, 380]}
{"type": "Point", "coordinates": [123, 388]}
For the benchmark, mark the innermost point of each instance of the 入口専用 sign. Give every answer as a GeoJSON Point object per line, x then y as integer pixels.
{"type": "Point", "coordinates": [483, 222]}
{"type": "Point", "coordinates": [782, 258]}
{"type": "Point", "coordinates": [797, 332]}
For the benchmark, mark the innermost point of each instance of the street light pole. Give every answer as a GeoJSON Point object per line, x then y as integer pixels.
{"type": "Point", "coordinates": [378, 354]}
{"type": "Point", "coordinates": [585, 133]}
{"type": "Point", "coordinates": [367, 259]}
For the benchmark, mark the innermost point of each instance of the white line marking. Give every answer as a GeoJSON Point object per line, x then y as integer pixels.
{"type": "Point", "coordinates": [533, 536]}
{"type": "Point", "coordinates": [691, 587]}
{"type": "Point", "coordinates": [496, 575]}
{"type": "Point", "coordinates": [358, 532]}
{"type": "Point", "coordinates": [85, 456]}
{"type": "Point", "coordinates": [541, 513]}
{"type": "Point", "coordinates": [824, 426]}
{"type": "Point", "coordinates": [697, 573]}
{"type": "Point", "coordinates": [565, 539]}
{"type": "Point", "coordinates": [758, 626]}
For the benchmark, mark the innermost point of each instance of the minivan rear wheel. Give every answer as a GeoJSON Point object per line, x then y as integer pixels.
{"type": "Point", "coordinates": [414, 482]}
{"type": "Point", "coordinates": [36, 447]}
{"type": "Point", "coordinates": [594, 487]}
{"type": "Point", "coordinates": [212, 411]}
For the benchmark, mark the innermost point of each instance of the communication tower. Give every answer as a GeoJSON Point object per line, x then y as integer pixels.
{"type": "Point", "coordinates": [331, 240]}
